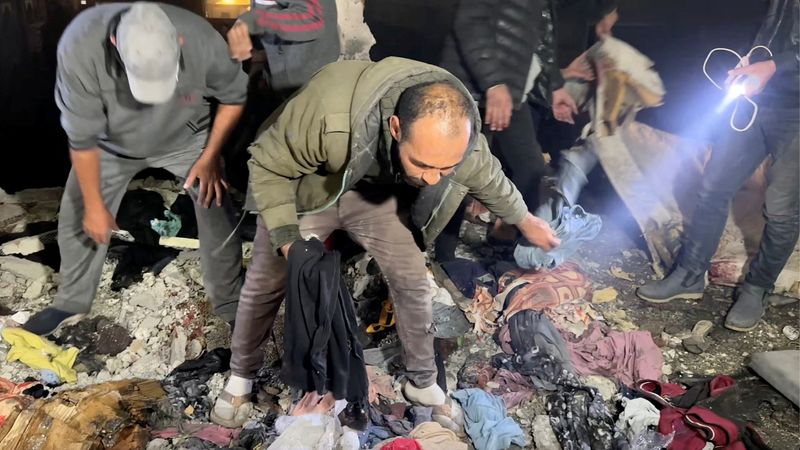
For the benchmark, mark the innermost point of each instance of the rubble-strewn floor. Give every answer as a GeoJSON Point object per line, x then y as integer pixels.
{"type": "Point", "coordinates": [169, 320]}
{"type": "Point", "coordinates": [616, 251]}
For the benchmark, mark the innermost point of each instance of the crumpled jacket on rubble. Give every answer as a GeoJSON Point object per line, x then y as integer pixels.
{"type": "Point", "coordinates": [332, 132]}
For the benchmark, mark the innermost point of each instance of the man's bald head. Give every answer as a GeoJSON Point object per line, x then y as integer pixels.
{"type": "Point", "coordinates": [438, 99]}
{"type": "Point", "coordinates": [432, 126]}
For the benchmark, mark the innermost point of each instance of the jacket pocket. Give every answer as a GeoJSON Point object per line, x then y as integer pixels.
{"type": "Point", "coordinates": [336, 140]}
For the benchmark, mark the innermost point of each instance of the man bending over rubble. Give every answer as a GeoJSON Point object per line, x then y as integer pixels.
{"type": "Point", "coordinates": [131, 86]}
{"type": "Point", "coordinates": [341, 153]}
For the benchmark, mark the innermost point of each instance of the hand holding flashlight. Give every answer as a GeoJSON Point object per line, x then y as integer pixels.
{"type": "Point", "coordinates": [750, 80]}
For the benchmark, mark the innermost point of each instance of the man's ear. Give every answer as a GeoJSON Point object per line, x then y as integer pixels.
{"type": "Point", "coordinates": [113, 40]}
{"type": "Point", "coordinates": [394, 127]}
{"type": "Point", "coordinates": [181, 40]}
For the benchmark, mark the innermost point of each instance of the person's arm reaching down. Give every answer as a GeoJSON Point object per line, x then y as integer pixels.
{"type": "Point", "coordinates": [83, 119]}
{"type": "Point", "coordinates": [288, 20]}
{"type": "Point", "coordinates": [227, 83]}
{"type": "Point", "coordinates": [484, 177]}
{"type": "Point", "coordinates": [97, 220]}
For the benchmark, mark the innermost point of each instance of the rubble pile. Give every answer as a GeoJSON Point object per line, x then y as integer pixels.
{"type": "Point", "coordinates": [503, 337]}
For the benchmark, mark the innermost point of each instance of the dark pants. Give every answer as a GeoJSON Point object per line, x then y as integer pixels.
{"type": "Point", "coordinates": [521, 156]}
{"type": "Point", "coordinates": [372, 219]}
{"type": "Point", "coordinates": [733, 160]}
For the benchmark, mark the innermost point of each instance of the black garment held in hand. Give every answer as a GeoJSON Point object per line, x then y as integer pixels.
{"type": "Point", "coordinates": [321, 350]}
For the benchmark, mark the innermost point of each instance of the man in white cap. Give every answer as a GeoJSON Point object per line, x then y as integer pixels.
{"type": "Point", "coordinates": [132, 85]}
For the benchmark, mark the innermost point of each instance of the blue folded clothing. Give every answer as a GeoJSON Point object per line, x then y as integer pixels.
{"type": "Point", "coordinates": [573, 227]}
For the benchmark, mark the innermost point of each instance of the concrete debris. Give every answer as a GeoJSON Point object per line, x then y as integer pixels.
{"type": "Point", "coordinates": [27, 245]}
{"type": "Point", "coordinates": [177, 353]}
{"type": "Point", "coordinates": [696, 343]}
{"type": "Point", "coordinates": [12, 218]}
{"type": "Point", "coordinates": [355, 36]}
{"type": "Point", "coordinates": [146, 300]}
{"type": "Point", "coordinates": [791, 333]}
{"type": "Point", "coordinates": [194, 349]}
{"type": "Point", "coordinates": [179, 243]}
{"type": "Point", "coordinates": [606, 386]}
{"type": "Point", "coordinates": [34, 290]}
{"type": "Point", "coordinates": [621, 274]}
{"type": "Point", "coordinates": [606, 295]}
{"type": "Point", "coordinates": [28, 206]}
{"type": "Point", "coordinates": [543, 435]}
{"type": "Point", "coordinates": [24, 268]}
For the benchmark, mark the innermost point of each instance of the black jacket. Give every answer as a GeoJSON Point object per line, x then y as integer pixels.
{"type": "Point", "coordinates": [550, 79]}
{"type": "Point", "coordinates": [492, 42]}
{"type": "Point", "coordinates": [779, 32]}
{"type": "Point", "coordinates": [321, 351]}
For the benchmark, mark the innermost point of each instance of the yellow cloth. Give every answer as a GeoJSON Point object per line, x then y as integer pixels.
{"type": "Point", "coordinates": [39, 353]}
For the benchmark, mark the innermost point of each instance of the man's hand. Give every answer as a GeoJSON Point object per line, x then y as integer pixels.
{"type": "Point", "coordinates": [538, 232]}
{"type": "Point", "coordinates": [498, 107]}
{"type": "Point", "coordinates": [208, 171]}
{"type": "Point", "coordinates": [753, 76]}
{"type": "Point", "coordinates": [285, 249]}
{"type": "Point", "coordinates": [98, 224]}
{"type": "Point", "coordinates": [603, 28]}
{"type": "Point", "coordinates": [239, 41]}
{"type": "Point", "coordinates": [579, 68]}
{"type": "Point", "coordinates": [564, 107]}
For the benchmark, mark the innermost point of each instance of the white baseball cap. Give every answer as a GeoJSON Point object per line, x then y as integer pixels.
{"type": "Point", "coordinates": [148, 45]}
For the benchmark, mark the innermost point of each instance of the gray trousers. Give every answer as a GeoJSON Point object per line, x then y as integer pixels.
{"type": "Point", "coordinates": [82, 259]}
{"type": "Point", "coordinates": [733, 161]}
{"type": "Point", "coordinates": [373, 220]}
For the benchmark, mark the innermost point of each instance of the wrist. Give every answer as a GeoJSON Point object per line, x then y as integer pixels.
{"type": "Point", "coordinates": [94, 206]}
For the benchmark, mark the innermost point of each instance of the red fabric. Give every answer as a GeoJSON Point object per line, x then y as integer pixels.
{"type": "Point", "coordinates": [660, 392]}
{"type": "Point", "coordinates": [403, 444]}
{"type": "Point", "coordinates": [312, 19]}
{"type": "Point", "coordinates": [686, 438]}
{"type": "Point", "coordinates": [721, 431]}
{"type": "Point", "coordinates": [720, 384]}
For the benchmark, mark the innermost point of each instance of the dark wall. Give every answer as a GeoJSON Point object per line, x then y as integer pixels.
{"type": "Point", "coordinates": [676, 34]}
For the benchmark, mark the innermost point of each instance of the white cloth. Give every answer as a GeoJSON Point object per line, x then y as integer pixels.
{"type": "Point", "coordinates": [638, 416]}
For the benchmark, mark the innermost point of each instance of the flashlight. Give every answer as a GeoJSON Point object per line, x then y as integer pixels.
{"type": "Point", "coordinates": [736, 90]}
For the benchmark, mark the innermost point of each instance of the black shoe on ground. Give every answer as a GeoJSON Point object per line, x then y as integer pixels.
{"type": "Point", "coordinates": [49, 320]}
{"type": "Point", "coordinates": [748, 309]}
{"type": "Point", "coordinates": [678, 284]}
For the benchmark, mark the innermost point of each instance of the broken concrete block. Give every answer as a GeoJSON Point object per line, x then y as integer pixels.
{"type": "Point", "coordinates": [24, 268]}
{"type": "Point", "coordinates": [34, 290]}
{"type": "Point", "coordinates": [543, 435]}
{"type": "Point", "coordinates": [194, 349]}
{"type": "Point", "coordinates": [355, 37]}
{"type": "Point", "coordinates": [145, 300]}
{"type": "Point", "coordinates": [6, 290]}
{"type": "Point", "coordinates": [12, 218]}
{"type": "Point", "coordinates": [23, 246]}
{"type": "Point", "coordinates": [159, 444]}
{"type": "Point", "coordinates": [177, 353]}
{"type": "Point", "coordinates": [147, 327]}
{"type": "Point", "coordinates": [179, 242]}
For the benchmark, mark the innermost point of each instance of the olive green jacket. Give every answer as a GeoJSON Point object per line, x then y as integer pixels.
{"type": "Point", "coordinates": [326, 137]}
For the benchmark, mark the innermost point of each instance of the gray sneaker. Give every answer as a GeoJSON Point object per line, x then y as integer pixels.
{"type": "Point", "coordinates": [678, 284]}
{"type": "Point", "coordinates": [748, 309]}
